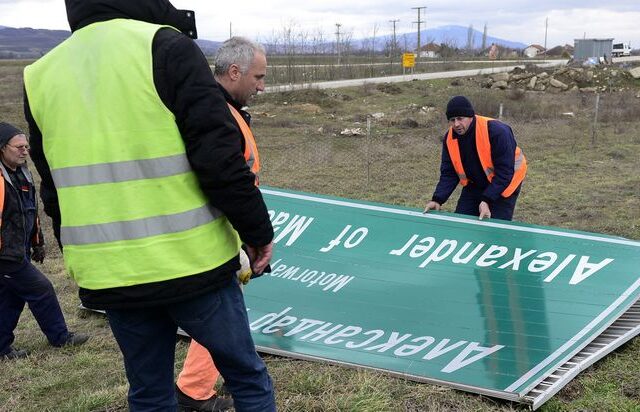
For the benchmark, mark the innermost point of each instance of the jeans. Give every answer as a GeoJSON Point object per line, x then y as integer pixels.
{"type": "Point", "coordinates": [470, 199]}
{"type": "Point", "coordinates": [218, 321]}
{"type": "Point", "coordinates": [27, 284]}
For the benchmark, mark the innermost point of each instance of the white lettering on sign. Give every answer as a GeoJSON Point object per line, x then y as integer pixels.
{"type": "Point", "coordinates": [352, 240]}
{"type": "Point", "coordinates": [294, 227]}
{"type": "Point", "coordinates": [463, 358]}
{"type": "Point", "coordinates": [457, 353]}
{"type": "Point", "coordinates": [500, 257]}
{"type": "Point", "coordinates": [330, 282]}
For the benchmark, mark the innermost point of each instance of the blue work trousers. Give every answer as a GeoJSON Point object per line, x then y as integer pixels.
{"type": "Point", "coordinates": [470, 199]}
{"type": "Point", "coordinates": [27, 284]}
{"type": "Point", "coordinates": [218, 321]}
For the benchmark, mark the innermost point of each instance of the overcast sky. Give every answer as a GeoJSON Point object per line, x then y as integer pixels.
{"type": "Point", "coordinates": [522, 21]}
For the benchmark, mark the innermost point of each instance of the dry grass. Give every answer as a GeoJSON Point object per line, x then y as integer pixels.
{"type": "Point", "coordinates": [572, 184]}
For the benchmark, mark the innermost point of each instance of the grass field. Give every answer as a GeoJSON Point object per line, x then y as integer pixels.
{"type": "Point", "coordinates": [576, 180]}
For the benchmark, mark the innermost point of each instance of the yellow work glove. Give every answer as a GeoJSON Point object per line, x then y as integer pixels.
{"type": "Point", "coordinates": [244, 273]}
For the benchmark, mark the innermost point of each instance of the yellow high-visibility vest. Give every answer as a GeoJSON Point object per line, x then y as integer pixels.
{"type": "Point", "coordinates": [131, 207]}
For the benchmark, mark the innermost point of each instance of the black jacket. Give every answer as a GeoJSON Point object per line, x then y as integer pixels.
{"type": "Point", "coordinates": [185, 84]}
{"type": "Point", "coordinates": [19, 227]}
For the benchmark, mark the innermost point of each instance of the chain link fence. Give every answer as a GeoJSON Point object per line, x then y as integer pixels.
{"type": "Point", "coordinates": [397, 159]}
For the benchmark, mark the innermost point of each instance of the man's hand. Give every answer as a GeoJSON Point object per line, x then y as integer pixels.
{"type": "Point", "coordinates": [432, 205]}
{"type": "Point", "coordinates": [38, 254]}
{"type": "Point", "coordinates": [484, 210]}
{"type": "Point", "coordinates": [260, 256]}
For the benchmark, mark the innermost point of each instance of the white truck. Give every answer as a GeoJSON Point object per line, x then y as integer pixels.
{"type": "Point", "coordinates": [621, 49]}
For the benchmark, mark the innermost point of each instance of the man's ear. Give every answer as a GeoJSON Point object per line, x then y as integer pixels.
{"type": "Point", "coordinates": [234, 72]}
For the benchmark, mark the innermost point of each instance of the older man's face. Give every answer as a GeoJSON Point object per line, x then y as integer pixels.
{"type": "Point", "coordinates": [460, 124]}
{"type": "Point", "coordinates": [15, 152]}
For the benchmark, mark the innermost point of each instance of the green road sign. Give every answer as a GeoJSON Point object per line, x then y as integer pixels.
{"type": "Point", "coordinates": [488, 306]}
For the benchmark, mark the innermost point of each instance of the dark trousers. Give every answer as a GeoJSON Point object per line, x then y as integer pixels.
{"type": "Point", "coordinates": [28, 285]}
{"type": "Point", "coordinates": [471, 197]}
{"type": "Point", "coordinates": [218, 321]}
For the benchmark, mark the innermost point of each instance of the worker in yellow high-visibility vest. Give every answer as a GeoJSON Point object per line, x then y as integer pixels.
{"type": "Point", "coordinates": [145, 181]}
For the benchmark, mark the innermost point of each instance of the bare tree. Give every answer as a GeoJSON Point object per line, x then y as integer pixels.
{"type": "Point", "coordinates": [347, 44]}
{"type": "Point", "coordinates": [448, 48]}
{"type": "Point", "coordinates": [317, 42]}
{"type": "Point", "coordinates": [405, 40]}
{"type": "Point", "coordinates": [288, 41]}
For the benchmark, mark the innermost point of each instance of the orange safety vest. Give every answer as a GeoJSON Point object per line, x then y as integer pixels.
{"type": "Point", "coordinates": [483, 145]}
{"type": "Point", "coordinates": [250, 147]}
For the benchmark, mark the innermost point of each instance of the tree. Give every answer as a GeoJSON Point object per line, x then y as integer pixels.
{"type": "Point", "coordinates": [470, 37]}
{"type": "Point", "coordinates": [484, 37]}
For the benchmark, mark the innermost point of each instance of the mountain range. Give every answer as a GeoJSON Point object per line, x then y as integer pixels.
{"type": "Point", "coordinates": [32, 43]}
{"type": "Point", "coordinates": [28, 43]}
{"type": "Point", "coordinates": [453, 36]}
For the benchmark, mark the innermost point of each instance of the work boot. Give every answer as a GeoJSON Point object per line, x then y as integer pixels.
{"type": "Point", "coordinates": [213, 404]}
{"type": "Point", "coordinates": [14, 354]}
{"type": "Point", "coordinates": [75, 339]}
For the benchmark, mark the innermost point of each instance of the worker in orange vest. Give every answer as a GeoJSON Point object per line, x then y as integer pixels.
{"type": "Point", "coordinates": [482, 155]}
{"type": "Point", "coordinates": [240, 69]}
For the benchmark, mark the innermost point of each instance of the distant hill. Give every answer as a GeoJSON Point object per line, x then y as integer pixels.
{"type": "Point", "coordinates": [28, 43]}
{"type": "Point", "coordinates": [32, 43]}
{"type": "Point", "coordinates": [208, 47]}
{"type": "Point", "coordinates": [451, 35]}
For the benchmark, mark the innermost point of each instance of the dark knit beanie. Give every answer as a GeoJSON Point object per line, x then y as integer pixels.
{"type": "Point", "coordinates": [459, 106]}
{"type": "Point", "coordinates": [8, 132]}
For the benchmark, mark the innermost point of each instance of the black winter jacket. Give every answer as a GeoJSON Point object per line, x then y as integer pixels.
{"type": "Point", "coordinates": [185, 84]}
{"type": "Point", "coordinates": [16, 239]}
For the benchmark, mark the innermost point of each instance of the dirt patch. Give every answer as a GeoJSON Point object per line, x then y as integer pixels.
{"type": "Point", "coordinates": [317, 97]}
{"type": "Point", "coordinates": [572, 391]}
{"type": "Point", "coordinates": [631, 390]}
{"type": "Point", "coordinates": [389, 88]}
{"type": "Point", "coordinates": [307, 108]}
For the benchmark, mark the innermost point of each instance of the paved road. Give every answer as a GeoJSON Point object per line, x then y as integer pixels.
{"type": "Point", "coordinates": [397, 63]}
{"type": "Point", "coordinates": [404, 78]}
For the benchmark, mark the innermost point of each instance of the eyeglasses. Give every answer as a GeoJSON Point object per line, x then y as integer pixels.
{"type": "Point", "coordinates": [24, 147]}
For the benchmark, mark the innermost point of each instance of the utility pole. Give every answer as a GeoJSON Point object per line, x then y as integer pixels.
{"type": "Point", "coordinates": [393, 51]}
{"type": "Point", "coordinates": [393, 44]}
{"type": "Point", "coordinates": [338, 25]}
{"type": "Point", "coordinates": [230, 32]}
{"type": "Point", "coordinates": [546, 26]}
{"type": "Point", "coordinates": [419, 21]}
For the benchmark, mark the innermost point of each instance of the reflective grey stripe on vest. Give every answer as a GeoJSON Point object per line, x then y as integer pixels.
{"type": "Point", "coordinates": [121, 171]}
{"type": "Point", "coordinates": [137, 229]}
{"type": "Point", "coordinates": [252, 158]}
{"type": "Point", "coordinates": [462, 176]}
{"type": "Point", "coordinates": [518, 163]}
